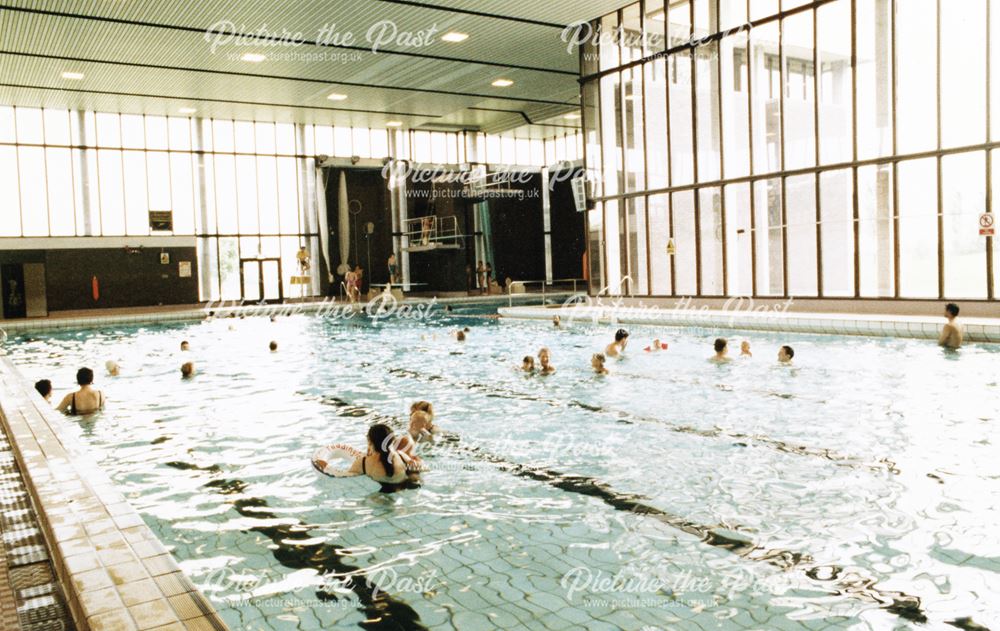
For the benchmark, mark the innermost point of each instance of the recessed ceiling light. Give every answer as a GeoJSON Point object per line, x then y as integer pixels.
{"type": "Point", "coordinates": [394, 124]}
{"type": "Point", "coordinates": [502, 83]}
{"type": "Point", "coordinates": [336, 96]}
{"type": "Point", "coordinates": [572, 116]}
{"type": "Point", "coordinates": [187, 110]}
{"type": "Point", "coordinates": [253, 57]}
{"type": "Point", "coordinates": [454, 37]}
{"type": "Point", "coordinates": [72, 75]}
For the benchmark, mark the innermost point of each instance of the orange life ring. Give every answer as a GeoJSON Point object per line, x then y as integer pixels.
{"type": "Point", "coordinates": [95, 288]}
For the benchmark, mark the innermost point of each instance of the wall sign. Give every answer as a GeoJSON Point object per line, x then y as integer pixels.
{"type": "Point", "coordinates": [161, 220]}
{"type": "Point", "coordinates": [184, 269]}
{"type": "Point", "coordinates": [987, 228]}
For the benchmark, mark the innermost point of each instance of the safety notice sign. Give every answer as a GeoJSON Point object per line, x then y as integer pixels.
{"type": "Point", "coordinates": [986, 226]}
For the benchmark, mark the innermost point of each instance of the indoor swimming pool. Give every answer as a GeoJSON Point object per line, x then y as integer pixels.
{"type": "Point", "coordinates": [858, 488]}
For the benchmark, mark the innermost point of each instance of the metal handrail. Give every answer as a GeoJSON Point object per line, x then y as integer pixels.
{"type": "Point", "coordinates": [543, 283]}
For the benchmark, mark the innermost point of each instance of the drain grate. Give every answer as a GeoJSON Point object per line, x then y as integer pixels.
{"type": "Point", "coordinates": [24, 559]}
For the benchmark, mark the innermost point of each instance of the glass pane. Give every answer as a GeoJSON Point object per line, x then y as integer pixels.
{"type": "Point", "coordinates": [837, 232]}
{"type": "Point", "coordinates": [380, 143]}
{"type": "Point", "coordinates": [136, 200]}
{"type": "Point", "coordinates": [763, 8]}
{"type": "Point", "coordinates": [631, 33]}
{"type": "Point", "coordinates": [34, 200]}
{"type": "Point", "coordinates": [679, 28]}
{"type": "Point", "coordinates": [635, 160]}
{"type": "Point", "coordinates": [324, 140]}
{"type": "Point", "coordinates": [918, 238]}
{"type": "Point", "coordinates": [285, 133]}
{"type": "Point", "coordinates": [685, 244]}
{"type": "Point", "coordinates": [59, 173]}
{"type": "Point", "coordinates": [655, 27]}
{"type": "Point", "coordinates": [342, 142]}
{"type": "Point", "coordinates": [710, 216]}
{"type": "Point", "coordinates": [56, 127]}
{"type": "Point", "coordinates": [29, 125]}
{"type": "Point", "coordinates": [707, 97]}
{"type": "Point", "coordinates": [156, 132]}
{"type": "Point", "coordinates": [7, 125]}
{"type": "Point", "coordinates": [272, 280]}
{"type": "Point", "coordinates": [133, 131]}
{"type": "Point", "coordinates": [591, 124]}
{"type": "Point", "coordinates": [182, 193]}
{"type": "Point", "coordinates": [681, 122]}
{"type": "Point", "coordinates": [361, 142]}
{"type": "Point", "coordinates": [251, 280]}
{"type": "Point", "coordinates": [158, 174]}
{"type": "Point", "coordinates": [735, 106]}
{"type": "Point", "coordinates": [916, 76]}
{"type": "Point", "coordinates": [800, 85]}
{"type": "Point", "coordinates": [267, 194]}
{"type": "Point", "coordinates": [739, 247]}
{"type": "Point", "coordinates": [611, 130]}
{"type": "Point", "coordinates": [637, 245]}
{"type": "Point", "coordinates": [112, 192]}
{"type": "Point", "coordinates": [963, 73]}
{"type": "Point", "coordinates": [244, 133]}
{"type": "Point", "coordinates": [608, 41]}
{"type": "Point", "coordinates": [656, 123]}
{"type": "Point", "coordinates": [108, 130]}
{"type": "Point", "coordinates": [229, 268]}
{"type": "Point", "coordinates": [614, 247]}
{"type": "Point", "coordinates": [833, 24]}
{"type": "Point", "coordinates": [659, 237]}
{"type": "Point", "coordinates": [873, 24]}
{"type": "Point", "coordinates": [208, 269]}
{"type": "Point", "coordinates": [179, 131]}
{"type": "Point", "coordinates": [595, 249]}
{"type": "Point", "coordinates": [875, 231]}
{"type": "Point", "coordinates": [800, 212]}
{"type": "Point", "coordinates": [732, 13]}
{"type": "Point", "coordinates": [767, 237]}
{"type": "Point", "coordinates": [246, 193]}
{"type": "Point", "coordinates": [963, 187]}
{"type": "Point", "coordinates": [765, 80]}
{"type": "Point", "coordinates": [706, 19]}
{"type": "Point", "coordinates": [225, 193]}
{"type": "Point", "coordinates": [264, 136]}
{"type": "Point", "coordinates": [222, 134]}
{"type": "Point", "coordinates": [10, 196]}
{"type": "Point", "coordinates": [288, 207]}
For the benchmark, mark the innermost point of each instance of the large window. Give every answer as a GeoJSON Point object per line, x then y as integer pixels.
{"type": "Point", "coordinates": [835, 148]}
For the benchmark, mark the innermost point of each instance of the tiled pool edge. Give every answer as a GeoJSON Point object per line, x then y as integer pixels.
{"type": "Point", "coordinates": [917, 327]}
{"type": "Point", "coordinates": [31, 325]}
{"type": "Point", "coordinates": [116, 574]}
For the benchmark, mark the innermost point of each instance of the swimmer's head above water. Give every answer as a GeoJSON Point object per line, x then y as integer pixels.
{"type": "Point", "coordinates": [112, 367]}
{"type": "Point", "coordinates": [382, 441]}
{"type": "Point", "coordinates": [597, 363]}
{"type": "Point", "coordinates": [185, 346]}
{"type": "Point", "coordinates": [273, 346]}
{"type": "Point", "coordinates": [785, 354]}
{"type": "Point", "coordinates": [422, 406]}
{"type": "Point", "coordinates": [528, 363]}
{"type": "Point", "coordinates": [84, 377]}
{"type": "Point", "coordinates": [187, 370]}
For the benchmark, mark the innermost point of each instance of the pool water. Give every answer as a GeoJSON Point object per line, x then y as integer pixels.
{"type": "Point", "coordinates": [857, 489]}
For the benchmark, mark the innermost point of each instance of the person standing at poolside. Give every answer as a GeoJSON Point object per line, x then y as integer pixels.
{"type": "Point", "coordinates": [87, 399]}
{"type": "Point", "coordinates": [489, 278]}
{"type": "Point", "coordinates": [616, 348]}
{"type": "Point", "coordinates": [481, 277]}
{"type": "Point", "coordinates": [721, 350]}
{"type": "Point", "coordinates": [951, 333]}
{"type": "Point", "coordinates": [393, 268]}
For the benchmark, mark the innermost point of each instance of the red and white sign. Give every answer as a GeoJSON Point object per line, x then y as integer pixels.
{"type": "Point", "coordinates": [986, 226]}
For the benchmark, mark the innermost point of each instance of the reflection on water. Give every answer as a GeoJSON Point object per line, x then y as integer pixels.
{"type": "Point", "coordinates": [860, 487]}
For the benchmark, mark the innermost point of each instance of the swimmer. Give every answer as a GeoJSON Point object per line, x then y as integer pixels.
{"type": "Point", "coordinates": [185, 346]}
{"type": "Point", "coordinates": [86, 400]}
{"type": "Point", "coordinates": [951, 333]}
{"type": "Point", "coordinates": [44, 388]}
{"type": "Point", "coordinates": [556, 322]}
{"type": "Point", "coordinates": [545, 367]}
{"type": "Point", "coordinates": [112, 367]}
{"type": "Point", "coordinates": [616, 348]}
{"type": "Point", "coordinates": [187, 370]}
{"type": "Point", "coordinates": [745, 349]}
{"type": "Point", "coordinates": [785, 354]}
{"type": "Point", "coordinates": [232, 327]}
{"type": "Point", "coordinates": [460, 336]}
{"type": "Point", "coordinates": [210, 316]}
{"type": "Point", "coordinates": [382, 463]}
{"type": "Point", "coordinates": [597, 362]}
{"type": "Point", "coordinates": [655, 346]}
{"type": "Point", "coordinates": [421, 429]}
{"type": "Point", "coordinates": [528, 364]}
{"type": "Point", "coordinates": [274, 318]}
{"type": "Point", "coordinates": [721, 350]}
{"type": "Point", "coordinates": [273, 346]}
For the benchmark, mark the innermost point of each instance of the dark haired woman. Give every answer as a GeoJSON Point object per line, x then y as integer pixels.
{"type": "Point", "coordinates": [86, 400]}
{"type": "Point", "coordinates": [382, 463]}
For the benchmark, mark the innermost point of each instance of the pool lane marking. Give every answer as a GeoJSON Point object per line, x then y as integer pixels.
{"type": "Point", "coordinates": [882, 464]}
{"type": "Point", "coordinates": [864, 588]}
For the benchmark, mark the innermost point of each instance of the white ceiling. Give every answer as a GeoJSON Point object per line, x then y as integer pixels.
{"type": "Point", "coordinates": [157, 57]}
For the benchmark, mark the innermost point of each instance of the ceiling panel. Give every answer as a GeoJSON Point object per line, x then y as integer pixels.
{"type": "Point", "coordinates": [157, 57]}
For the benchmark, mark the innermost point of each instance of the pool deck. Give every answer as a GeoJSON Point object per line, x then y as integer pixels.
{"type": "Point", "coordinates": [93, 318]}
{"type": "Point", "coordinates": [111, 571]}
{"type": "Point", "coordinates": [872, 325]}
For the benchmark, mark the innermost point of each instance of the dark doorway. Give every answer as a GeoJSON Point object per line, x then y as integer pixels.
{"type": "Point", "coordinates": [12, 281]}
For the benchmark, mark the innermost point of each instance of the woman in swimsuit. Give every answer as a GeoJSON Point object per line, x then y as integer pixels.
{"type": "Point", "coordinates": [86, 400]}
{"type": "Point", "coordinates": [382, 463]}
